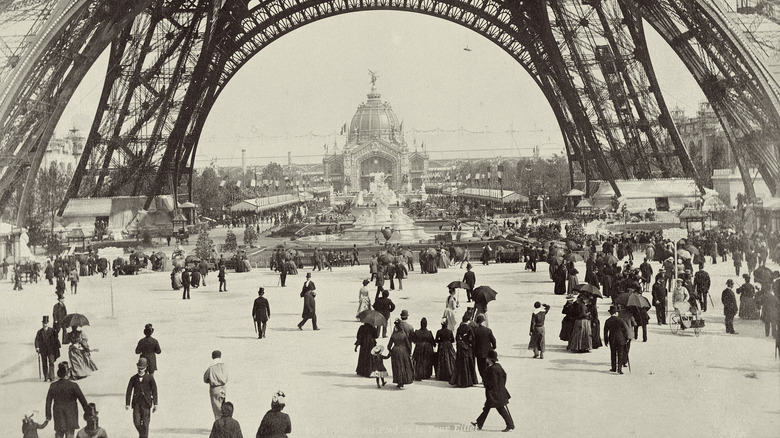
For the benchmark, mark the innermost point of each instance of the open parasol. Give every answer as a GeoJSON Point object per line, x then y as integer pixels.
{"type": "Point", "coordinates": [683, 253]}
{"type": "Point", "coordinates": [457, 285]}
{"type": "Point", "coordinates": [74, 320]}
{"type": "Point", "coordinates": [610, 259]}
{"type": "Point", "coordinates": [633, 300]}
{"type": "Point", "coordinates": [588, 289]}
{"type": "Point", "coordinates": [372, 317]}
{"type": "Point", "coordinates": [484, 292]}
{"type": "Point", "coordinates": [573, 257]}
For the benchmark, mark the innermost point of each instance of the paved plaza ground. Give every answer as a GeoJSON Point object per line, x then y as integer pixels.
{"type": "Point", "coordinates": [716, 385]}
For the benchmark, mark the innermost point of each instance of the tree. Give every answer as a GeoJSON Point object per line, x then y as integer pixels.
{"type": "Point", "coordinates": [250, 236]}
{"type": "Point", "coordinates": [273, 172]}
{"type": "Point", "coordinates": [52, 183]}
{"type": "Point", "coordinates": [205, 246]}
{"type": "Point", "coordinates": [206, 192]}
{"type": "Point", "coordinates": [231, 245]}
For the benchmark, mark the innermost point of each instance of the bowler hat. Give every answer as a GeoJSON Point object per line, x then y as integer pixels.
{"type": "Point", "coordinates": [492, 355]}
{"type": "Point", "coordinates": [612, 309]}
{"type": "Point", "coordinates": [142, 363]}
{"type": "Point", "coordinates": [404, 312]}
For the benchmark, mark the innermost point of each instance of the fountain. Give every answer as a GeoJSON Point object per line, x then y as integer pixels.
{"type": "Point", "coordinates": [379, 225]}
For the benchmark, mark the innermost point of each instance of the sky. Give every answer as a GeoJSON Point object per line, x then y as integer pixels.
{"type": "Point", "coordinates": [297, 93]}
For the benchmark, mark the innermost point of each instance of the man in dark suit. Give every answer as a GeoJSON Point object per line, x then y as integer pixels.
{"type": "Point", "coordinates": [261, 312]}
{"type": "Point", "coordinates": [616, 337]}
{"type": "Point", "coordinates": [484, 342]}
{"type": "Point", "coordinates": [47, 344]}
{"type": "Point", "coordinates": [61, 402]}
{"type": "Point", "coordinates": [142, 396]}
{"type": "Point", "coordinates": [496, 395]}
{"type": "Point", "coordinates": [58, 314]}
{"type": "Point", "coordinates": [309, 305]}
{"type": "Point", "coordinates": [701, 285]}
{"type": "Point", "coordinates": [730, 308]}
{"type": "Point", "coordinates": [185, 282]}
{"type": "Point", "coordinates": [149, 348]}
{"type": "Point", "coordinates": [659, 298]}
{"type": "Point", "coordinates": [384, 306]}
{"type": "Point", "coordinates": [470, 279]}
{"type": "Point", "coordinates": [283, 270]}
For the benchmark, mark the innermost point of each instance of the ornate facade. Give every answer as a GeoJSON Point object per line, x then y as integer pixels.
{"type": "Point", "coordinates": [375, 143]}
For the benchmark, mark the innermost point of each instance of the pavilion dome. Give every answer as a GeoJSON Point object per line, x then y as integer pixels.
{"type": "Point", "coordinates": [374, 119]}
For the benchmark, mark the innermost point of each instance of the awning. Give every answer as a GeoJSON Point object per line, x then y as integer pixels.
{"type": "Point", "coordinates": [91, 207]}
{"type": "Point", "coordinates": [266, 203]}
{"type": "Point", "coordinates": [575, 192]}
{"type": "Point", "coordinates": [494, 195]}
{"type": "Point", "coordinates": [584, 204]}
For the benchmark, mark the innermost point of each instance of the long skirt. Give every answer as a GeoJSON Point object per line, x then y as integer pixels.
{"type": "Point", "coordinates": [423, 361]}
{"type": "Point", "coordinates": [537, 339]}
{"type": "Point", "coordinates": [365, 304]}
{"type": "Point", "coordinates": [595, 330]}
{"type": "Point", "coordinates": [567, 326]}
{"type": "Point", "coordinates": [580, 337]}
{"type": "Point", "coordinates": [446, 361]}
{"type": "Point", "coordinates": [560, 287]}
{"type": "Point", "coordinates": [378, 369]}
{"type": "Point", "coordinates": [452, 321]}
{"type": "Point", "coordinates": [364, 360]}
{"type": "Point", "coordinates": [748, 308]}
{"type": "Point", "coordinates": [403, 372]}
{"type": "Point", "coordinates": [80, 362]}
{"type": "Point", "coordinates": [571, 282]}
{"type": "Point", "coordinates": [175, 281]}
{"type": "Point", "coordinates": [465, 374]}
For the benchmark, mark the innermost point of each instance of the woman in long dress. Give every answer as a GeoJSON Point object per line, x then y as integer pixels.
{"type": "Point", "coordinates": [465, 373]}
{"type": "Point", "coordinates": [364, 300]}
{"type": "Point", "coordinates": [445, 364]}
{"type": "Point", "coordinates": [175, 279]}
{"type": "Point", "coordinates": [595, 324]}
{"type": "Point", "coordinates": [581, 338]}
{"type": "Point", "coordinates": [80, 355]}
{"type": "Point", "coordinates": [444, 258]}
{"type": "Point", "coordinates": [401, 356]}
{"type": "Point", "coordinates": [747, 300]}
{"type": "Point", "coordinates": [366, 340]}
{"type": "Point", "coordinates": [449, 311]}
{"type": "Point", "coordinates": [275, 423]}
{"type": "Point", "coordinates": [422, 358]}
{"type": "Point", "coordinates": [571, 277]}
{"type": "Point", "coordinates": [567, 325]}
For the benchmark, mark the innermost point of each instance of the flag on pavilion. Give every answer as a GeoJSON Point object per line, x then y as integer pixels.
{"type": "Point", "coordinates": [238, 184]}
{"type": "Point", "coordinates": [253, 183]}
{"type": "Point", "coordinates": [222, 184]}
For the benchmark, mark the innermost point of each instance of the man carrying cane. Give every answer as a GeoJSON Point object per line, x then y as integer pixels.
{"type": "Point", "coordinates": [496, 395]}
{"type": "Point", "coordinates": [261, 311]}
{"type": "Point", "coordinates": [47, 345]}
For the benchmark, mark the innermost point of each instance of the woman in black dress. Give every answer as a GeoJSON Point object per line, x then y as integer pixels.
{"type": "Point", "coordinates": [366, 340]}
{"type": "Point", "coordinates": [446, 352]}
{"type": "Point", "coordinates": [275, 424]}
{"type": "Point", "coordinates": [567, 325]}
{"type": "Point", "coordinates": [595, 325]}
{"type": "Point", "coordinates": [423, 351]}
{"type": "Point", "coordinates": [401, 356]}
{"type": "Point", "coordinates": [465, 373]}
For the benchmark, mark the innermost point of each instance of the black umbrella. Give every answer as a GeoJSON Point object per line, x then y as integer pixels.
{"type": "Point", "coordinates": [457, 285]}
{"type": "Point", "coordinates": [632, 300]}
{"type": "Point", "coordinates": [372, 317]}
{"type": "Point", "coordinates": [74, 320]}
{"type": "Point", "coordinates": [588, 289]}
{"type": "Point", "coordinates": [484, 292]}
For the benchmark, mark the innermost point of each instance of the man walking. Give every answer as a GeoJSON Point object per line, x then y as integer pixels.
{"type": "Point", "coordinates": [496, 395]}
{"type": "Point", "coordinates": [470, 279]}
{"type": "Point", "coordinates": [47, 344]}
{"type": "Point", "coordinates": [283, 269]}
{"type": "Point", "coordinates": [355, 260]}
{"type": "Point", "coordinates": [216, 376]}
{"type": "Point", "coordinates": [701, 286]}
{"type": "Point", "coordinates": [141, 395]}
{"type": "Point", "coordinates": [616, 337]}
{"type": "Point", "coordinates": [58, 314]}
{"type": "Point", "coordinates": [647, 273]}
{"type": "Point", "coordinates": [484, 342]}
{"type": "Point", "coordinates": [261, 312]}
{"type": "Point", "coordinates": [384, 306]}
{"type": "Point", "coordinates": [729, 301]}
{"type": "Point", "coordinates": [221, 277]}
{"type": "Point", "coordinates": [148, 348]}
{"type": "Point", "coordinates": [405, 326]}
{"type": "Point", "coordinates": [659, 298]}
{"type": "Point", "coordinates": [309, 305]}
{"type": "Point", "coordinates": [185, 282]}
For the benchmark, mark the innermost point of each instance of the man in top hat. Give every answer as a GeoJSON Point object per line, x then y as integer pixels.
{"type": "Point", "coordinates": [701, 286]}
{"type": "Point", "coordinates": [309, 305]}
{"type": "Point", "coordinates": [496, 395]}
{"type": "Point", "coordinates": [47, 344]}
{"type": "Point", "coordinates": [148, 348]}
{"type": "Point", "coordinates": [616, 336]}
{"type": "Point", "coordinates": [58, 314]}
{"type": "Point", "coordinates": [261, 312]}
{"type": "Point", "coordinates": [470, 279]}
{"type": "Point", "coordinates": [141, 395]}
{"type": "Point", "coordinates": [730, 308]}
{"type": "Point", "coordinates": [484, 342]}
{"type": "Point", "coordinates": [659, 296]}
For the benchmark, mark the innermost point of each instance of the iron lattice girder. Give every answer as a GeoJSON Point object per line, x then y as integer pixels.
{"type": "Point", "coordinates": [159, 132]}
{"type": "Point", "coordinates": [740, 90]}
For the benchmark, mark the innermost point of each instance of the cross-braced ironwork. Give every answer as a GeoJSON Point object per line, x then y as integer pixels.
{"type": "Point", "coordinates": [170, 60]}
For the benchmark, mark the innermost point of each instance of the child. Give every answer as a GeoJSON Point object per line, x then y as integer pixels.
{"type": "Point", "coordinates": [537, 330]}
{"type": "Point", "coordinates": [378, 369]}
{"type": "Point", "coordinates": [30, 427]}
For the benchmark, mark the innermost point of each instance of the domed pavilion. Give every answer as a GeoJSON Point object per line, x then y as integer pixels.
{"type": "Point", "coordinates": [375, 144]}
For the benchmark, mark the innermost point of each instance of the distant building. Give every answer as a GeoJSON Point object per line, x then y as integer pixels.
{"type": "Point", "coordinates": [375, 143]}
{"type": "Point", "coordinates": [66, 151]}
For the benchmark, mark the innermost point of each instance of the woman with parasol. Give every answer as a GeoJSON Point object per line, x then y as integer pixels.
{"type": "Point", "coordinates": [366, 340]}
{"type": "Point", "coordinates": [79, 353]}
{"type": "Point", "coordinates": [364, 301]}
{"type": "Point", "coordinates": [449, 310]}
{"type": "Point", "coordinates": [581, 338]}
